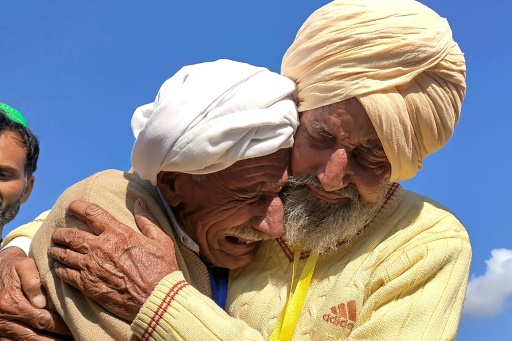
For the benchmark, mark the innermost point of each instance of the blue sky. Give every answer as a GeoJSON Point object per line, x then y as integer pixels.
{"type": "Point", "coordinates": [78, 70]}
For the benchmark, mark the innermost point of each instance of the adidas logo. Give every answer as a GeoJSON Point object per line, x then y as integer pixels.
{"type": "Point", "coordinates": [343, 315]}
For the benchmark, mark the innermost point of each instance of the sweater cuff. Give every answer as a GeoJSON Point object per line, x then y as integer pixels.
{"type": "Point", "coordinates": [151, 323]}
{"type": "Point", "coordinates": [177, 311]}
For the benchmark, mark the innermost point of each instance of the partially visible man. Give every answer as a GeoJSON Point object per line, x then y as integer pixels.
{"type": "Point", "coordinates": [19, 150]}
{"type": "Point", "coordinates": [20, 288]}
{"type": "Point", "coordinates": [210, 157]}
{"type": "Point", "coordinates": [380, 87]}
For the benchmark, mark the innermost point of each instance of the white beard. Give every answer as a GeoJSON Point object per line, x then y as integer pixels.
{"type": "Point", "coordinates": [320, 226]}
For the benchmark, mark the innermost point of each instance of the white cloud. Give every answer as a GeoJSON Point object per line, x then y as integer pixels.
{"type": "Point", "coordinates": [486, 295]}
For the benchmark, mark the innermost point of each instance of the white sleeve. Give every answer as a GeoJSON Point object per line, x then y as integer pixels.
{"type": "Point", "coordinates": [20, 242]}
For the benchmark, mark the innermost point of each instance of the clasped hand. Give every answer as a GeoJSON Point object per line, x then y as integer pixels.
{"type": "Point", "coordinates": [114, 265]}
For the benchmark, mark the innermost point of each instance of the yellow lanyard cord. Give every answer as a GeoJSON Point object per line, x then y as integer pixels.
{"type": "Point", "coordinates": [293, 305]}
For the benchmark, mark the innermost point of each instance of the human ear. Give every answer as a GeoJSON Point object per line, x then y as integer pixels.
{"type": "Point", "coordinates": [28, 189]}
{"type": "Point", "coordinates": [166, 182]}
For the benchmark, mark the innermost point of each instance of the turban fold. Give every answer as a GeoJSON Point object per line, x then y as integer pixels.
{"type": "Point", "coordinates": [210, 115]}
{"type": "Point", "coordinates": [398, 58]}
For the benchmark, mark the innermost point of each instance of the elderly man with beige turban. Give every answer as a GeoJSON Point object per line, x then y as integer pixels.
{"type": "Point", "coordinates": [380, 87]}
{"type": "Point", "coordinates": [211, 155]}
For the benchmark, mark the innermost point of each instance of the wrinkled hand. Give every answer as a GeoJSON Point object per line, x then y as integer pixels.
{"type": "Point", "coordinates": [116, 266]}
{"type": "Point", "coordinates": [22, 301]}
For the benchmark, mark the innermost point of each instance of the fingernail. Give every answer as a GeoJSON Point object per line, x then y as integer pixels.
{"type": "Point", "coordinates": [39, 301]}
{"type": "Point", "coordinates": [142, 204]}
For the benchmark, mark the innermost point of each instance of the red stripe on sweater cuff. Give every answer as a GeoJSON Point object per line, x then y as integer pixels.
{"type": "Point", "coordinates": [162, 308]}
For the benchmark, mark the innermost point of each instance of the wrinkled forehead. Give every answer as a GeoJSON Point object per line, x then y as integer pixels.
{"type": "Point", "coordinates": [347, 119]}
{"type": "Point", "coordinates": [265, 173]}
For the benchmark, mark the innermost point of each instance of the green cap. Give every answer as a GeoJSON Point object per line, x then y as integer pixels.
{"type": "Point", "coordinates": [13, 114]}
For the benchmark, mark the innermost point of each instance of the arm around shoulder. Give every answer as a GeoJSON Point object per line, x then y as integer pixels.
{"type": "Point", "coordinates": [85, 318]}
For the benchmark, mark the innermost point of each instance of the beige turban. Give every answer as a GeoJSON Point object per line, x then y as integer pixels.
{"type": "Point", "coordinates": [210, 115]}
{"type": "Point", "coordinates": [398, 58]}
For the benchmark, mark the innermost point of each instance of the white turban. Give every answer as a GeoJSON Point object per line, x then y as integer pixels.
{"type": "Point", "coordinates": [398, 58]}
{"type": "Point", "coordinates": [210, 115]}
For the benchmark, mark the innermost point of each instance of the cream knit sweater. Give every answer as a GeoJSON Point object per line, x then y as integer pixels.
{"type": "Point", "coordinates": [404, 278]}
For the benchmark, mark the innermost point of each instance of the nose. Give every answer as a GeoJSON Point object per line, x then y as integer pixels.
{"type": "Point", "coordinates": [333, 175]}
{"type": "Point", "coordinates": [270, 221]}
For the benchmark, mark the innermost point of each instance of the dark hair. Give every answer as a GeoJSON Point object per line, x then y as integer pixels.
{"type": "Point", "coordinates": [28, 139]}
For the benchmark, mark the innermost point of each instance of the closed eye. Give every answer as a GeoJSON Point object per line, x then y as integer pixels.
{"type": "Point", "coordinates": [371, 157]}
{"type": "Point", "coordinates": [319, 137]}
{"type": "Point", "coordinates": [321, 130]}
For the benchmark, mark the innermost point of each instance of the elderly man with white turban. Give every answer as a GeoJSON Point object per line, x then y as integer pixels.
{"type": "Point", "coordinates": [380, 87]}
{"type": "Point", "coordinates": [211, 155]}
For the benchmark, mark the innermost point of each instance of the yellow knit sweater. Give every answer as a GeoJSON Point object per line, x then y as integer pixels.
{"type": "Point", "coordinates": [404, 278]}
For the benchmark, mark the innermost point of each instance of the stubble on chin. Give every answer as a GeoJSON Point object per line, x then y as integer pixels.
{"type": "Point", "coordinates": [9, 212]}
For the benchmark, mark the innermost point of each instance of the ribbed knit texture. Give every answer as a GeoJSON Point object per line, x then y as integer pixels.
{"type": "Point", "coordinates": [404, 278]}
{"type": "Point", "coordinates": [178, 311]}
{"type": "Point", "coordinates": [116, 192]}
